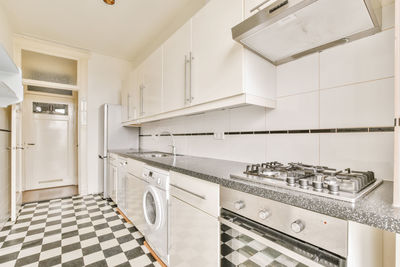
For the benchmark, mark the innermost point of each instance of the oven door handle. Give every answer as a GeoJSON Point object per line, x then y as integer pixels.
{"type": "Point", "coordinates": [270, 244]}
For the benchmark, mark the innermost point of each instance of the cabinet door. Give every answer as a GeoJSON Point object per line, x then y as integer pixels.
{"type": "Point", "coordinates": [113, 182]}
{"type": "Point", "coordinates": [124, 101]}
{"type": "Point", "coordinates": [133, 98]}
{"type": "Point", "coordinates": [251, 4]}
{"type": "Point", "coordinates": [151, 76]}
{"type": "Point", "coordinates": [194, 236]}
{"type": "Point", "coordinates": [175, 80]}
{"type": "Point", "coordinates": [121, 186]}
{"type": "Point", "coordinates": [135, 188]}
{"type": "Point", "coordinates": [217, 59]}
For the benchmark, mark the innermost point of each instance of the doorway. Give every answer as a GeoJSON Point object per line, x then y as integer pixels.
{"type": "Point", "coordinates": [49, 133]}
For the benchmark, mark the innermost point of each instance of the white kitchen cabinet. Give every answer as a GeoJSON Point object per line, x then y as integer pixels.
{"type": "Point", "coordinates": [221, 67]}
{"type": "Point", "coordinates": [249, 5]}
{"type": "Point", "coordinates": [124, 101]}
{"type": "Point", "coordinates": [135, 188]}
{"type": "Point", "coordinates": [176, 69]}
{"type": "Point", "coordinates": [150, 84]}
{"type": "Point", "coordinates": [194, 236]}
{"type": "Point", "coordinates": [112, 176]}
{"type": "Point", "coordinates": [121, 183]}
{"type": "Point", "coordinates": [130, 97]}
{"type": "Point", "coordinates": [220, 73]}
{"type": "Point", "coordinates": [194, 226]}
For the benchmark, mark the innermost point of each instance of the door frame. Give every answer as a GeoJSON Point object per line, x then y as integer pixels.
{"type": "Point", "coordinates": [82, 57]}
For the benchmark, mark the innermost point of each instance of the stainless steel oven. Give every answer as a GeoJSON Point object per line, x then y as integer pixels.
{"type": "Point", "coordinates": [261, 232]}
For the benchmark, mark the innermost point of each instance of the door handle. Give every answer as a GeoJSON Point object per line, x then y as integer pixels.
{"type": "Point", "coordinates": [31, 144]}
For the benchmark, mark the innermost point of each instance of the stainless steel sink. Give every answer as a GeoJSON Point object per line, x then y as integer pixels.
{"type": "Point", "coordinates": [155, 154]}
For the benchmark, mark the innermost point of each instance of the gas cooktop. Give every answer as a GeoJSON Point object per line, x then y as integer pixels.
{"type": "Point", "coordinates": [346, 185]}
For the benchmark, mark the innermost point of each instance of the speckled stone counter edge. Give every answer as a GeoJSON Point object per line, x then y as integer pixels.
{"type": "Point", "coordinates": [384, 217]}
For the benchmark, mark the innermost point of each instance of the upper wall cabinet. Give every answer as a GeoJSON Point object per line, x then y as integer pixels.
{"type": "Point", "coordinates": [130, 97]}
{"type": "Point", "coordinates": [176, 69]}
{"type": "Point", "coordinates": [251, 7]}
{"type": "Point", "coordinates": [201, 68]}
{"type": "Point", "coordinates": [150, 84]}
{"type": "Point", "coordinates": [11, 90]}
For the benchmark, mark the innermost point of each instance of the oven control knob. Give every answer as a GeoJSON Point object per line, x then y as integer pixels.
{"type": "Point", "coordinates": [263, 214]}
{"type": "Point", "coordinates": [297, 226]}
{"type": "Point", "coordinates": [239, 205]}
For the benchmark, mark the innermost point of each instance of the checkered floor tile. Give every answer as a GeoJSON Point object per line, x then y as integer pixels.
{"type": "Point", "coordinates": [75, 231]}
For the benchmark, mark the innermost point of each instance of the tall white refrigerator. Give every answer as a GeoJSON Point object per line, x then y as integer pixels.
{"type": "Point", "coordinates": [112, 135]}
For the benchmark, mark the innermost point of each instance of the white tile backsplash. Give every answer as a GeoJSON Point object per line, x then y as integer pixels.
{"type": "Point", "coordinates": [299, 76]}
{"type": "Point", "coordinates": [362, 60]}
{"type": "Point", "coordinates": [293, 148]}
{"type": "Point", "coordinates": [247, 148]}
{"type": "Point", "coordinates": [359, 151]}
{"type": "Point", "coordinates": [343, 87]}
{"type": "Point", "coordinates": [250, 118]}
{"type": "Point", "coordinates": [359, 105]}
{"type": "Point", "coordinates": [295, 112]}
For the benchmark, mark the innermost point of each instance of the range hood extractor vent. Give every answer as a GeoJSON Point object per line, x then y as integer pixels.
{"type": "Point", "coordinates": [288, 29]}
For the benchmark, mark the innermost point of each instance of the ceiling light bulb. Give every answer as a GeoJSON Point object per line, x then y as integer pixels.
{"type": "Point", "coordinates": [109, 2]}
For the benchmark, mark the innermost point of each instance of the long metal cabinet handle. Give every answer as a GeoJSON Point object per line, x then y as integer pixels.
{"type": "Point", "coordinates": [185, 81]}
{"type": "Point", "coordinates": [190, 192]}
{"type": "Point", "coordinates": [259, 5]}
{"type": "Point", "coordinates": [141, 100]}
{"type": "Point", "coordinates": [190, 77]}
{"type": "Point", "coordinates": [128, 106]}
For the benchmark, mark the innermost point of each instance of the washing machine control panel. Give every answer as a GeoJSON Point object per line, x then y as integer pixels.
{"type": "Point", "coordinates": [156, 177]}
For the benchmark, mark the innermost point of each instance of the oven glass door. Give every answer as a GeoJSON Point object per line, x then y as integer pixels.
{"type": "Point", "coordinates": [246, 243]}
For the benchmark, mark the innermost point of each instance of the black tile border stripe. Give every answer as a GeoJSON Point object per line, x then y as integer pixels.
{"type": "Point", "coordinates": [4, 130]}
{"type": "Point", "coordinates": [304, 131]}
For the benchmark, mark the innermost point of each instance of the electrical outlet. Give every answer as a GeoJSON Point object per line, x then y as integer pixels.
{"type": "Point", "coordinates": [219, 135]}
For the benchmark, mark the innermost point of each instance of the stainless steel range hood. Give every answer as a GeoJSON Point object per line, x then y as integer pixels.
{"type": "Point", "coordinates": [288, 29]}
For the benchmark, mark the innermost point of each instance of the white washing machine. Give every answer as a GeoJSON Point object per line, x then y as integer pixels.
{"type": "Point", "coordinates": [155, 209]}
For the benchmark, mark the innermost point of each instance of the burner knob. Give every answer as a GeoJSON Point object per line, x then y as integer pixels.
{"type": "Point", "coordinates": [290, 180]}
{"type": "Point", "coordinates": [239, 205]}
{"type": "Point", "coordinates": [297, 226]}
{"type": "Point", "coordinates": [333, 188]}
{"type": "Point", "coordinates": [303, 183]}
{"type": "Point", "coordinates": [263, 214]}
{"type": "Point", "coordinates": [317, 185]}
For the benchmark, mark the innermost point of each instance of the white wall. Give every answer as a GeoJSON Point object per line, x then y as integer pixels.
{"type": "Point", "coordinates": [5, 137]}
{"type": "Point", "coordinates": [104, 85]}
{"type": "Point", "coordinates": [346, 86]}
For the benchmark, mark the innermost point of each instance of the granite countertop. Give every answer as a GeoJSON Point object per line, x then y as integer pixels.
{"type": "Point", "coordinates": [375, 209]}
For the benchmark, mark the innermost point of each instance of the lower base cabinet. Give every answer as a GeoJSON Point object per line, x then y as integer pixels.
{"type": "Point", "coordinates": [194, 236]}
{"type": "Point", "coordinates": [135, 188]}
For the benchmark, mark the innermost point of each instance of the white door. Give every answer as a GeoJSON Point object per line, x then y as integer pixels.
{"type": "Point", "coordinates": [175, 69]}
{"type": "Point", "coordinates": [194, 236]}
{"type": "Point", "coordinates": [50, 142]}
{"type": "Point", "coordinates": [16, 159]}
{"type": "Point", "coordinates": [135, 188]}
{"type": "Point", "coordinates": [217, 58]}
{"type": "Point", "coordinates": [151, 76]}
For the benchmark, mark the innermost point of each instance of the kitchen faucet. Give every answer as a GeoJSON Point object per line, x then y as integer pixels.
{"type": "Point", "coordinates": [173, 141]}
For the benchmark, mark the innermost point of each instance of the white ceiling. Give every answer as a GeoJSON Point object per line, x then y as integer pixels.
{"type": "Point", "coordinates": [125, 30]}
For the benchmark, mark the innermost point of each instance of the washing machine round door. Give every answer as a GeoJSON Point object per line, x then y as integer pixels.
{"type": "Point", "coordinates": [152, 208]}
